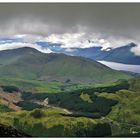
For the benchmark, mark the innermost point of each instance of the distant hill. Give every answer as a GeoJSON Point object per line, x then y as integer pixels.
{"type": "Point", "coordinates": [28, 63]}
{"type": "Point", "coordinates": [11, 55]}
{"type": "Point", "coordinates": [121, 54]}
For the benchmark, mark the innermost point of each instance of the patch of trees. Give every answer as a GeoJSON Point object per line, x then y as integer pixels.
{"type": "Point", "coordinates": [4, 108]}
{"type": "Point", "coordinates": [37, 113]}
{"type": "Point", "coordinates": [83, 114]}
{"type": "Point", "coordinates": [10, 89]}
{"type": "Point", "coordinates": [73, 102]}
{"type": "Point", "coordinates": [121, 84]}
{"type": "Point", "coordinates": [88, 130]}
{"type": "Point", "coordinates": [76, 129]}
{"type": "Point", "coordinates": [28, 105]}
{"type": "Point", "coordinates": [7, 131]}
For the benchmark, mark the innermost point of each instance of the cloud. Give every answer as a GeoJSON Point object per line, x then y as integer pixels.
{"type": "Point", "coordinates": [70, 50]}
{"type": "Point", "coordinates": [136, 50]}
{"type": "Point", "coordinates": [79, 39]}
{"type": "Point", "coordinates": [29, 38]}
{"type": "Point", "coordinates": [72, 25]}
{"type": "Point", "coordinates": [15, 45]}
{"type": "Point", "coordinates": [48, 18]}
{"type": "Point", "coordinates": [73, 40]}
{"type": "Point", "coordinates": [86, 40]}
{"type": "Point", "coordinates": [69, 41]}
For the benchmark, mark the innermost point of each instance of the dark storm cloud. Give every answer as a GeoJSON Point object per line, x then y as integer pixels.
{"type": "Point", "coordinates": [119, 19]}
{"type": "Point", "coordinates": [72, 24]}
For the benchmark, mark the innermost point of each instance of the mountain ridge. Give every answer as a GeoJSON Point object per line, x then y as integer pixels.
{"type": "Point", "coordinates": [120, 54]}
{"type": "Point", "coordinates": [57, 67]}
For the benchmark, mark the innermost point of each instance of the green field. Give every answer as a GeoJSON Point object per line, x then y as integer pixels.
{"type": "Point", "coordinates": [50, 123]}
{"type": "Point", "coordinates": [77, 112]}
{"type": "Point", "coordinates": [56, 95]}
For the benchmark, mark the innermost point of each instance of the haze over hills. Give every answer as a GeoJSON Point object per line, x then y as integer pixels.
{"type": "Point", "coordinates": [122, 54]}
{"type": "Point", "coordinates": [28, 63]}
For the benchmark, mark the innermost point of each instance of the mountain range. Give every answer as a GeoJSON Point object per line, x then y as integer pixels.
{"type": "Point", "coordinates": [121, 54]}
{"type": "Point", "coordinates": [29, 63]}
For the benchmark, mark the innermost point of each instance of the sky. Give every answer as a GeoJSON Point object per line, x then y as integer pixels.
{"type": "Point", "coordinates": [73, 25]}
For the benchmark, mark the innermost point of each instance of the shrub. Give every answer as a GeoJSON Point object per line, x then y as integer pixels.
{"type": "Point", "coordinates": [10, 89]}
{"type": "Point", "coordinates": [37, 113]}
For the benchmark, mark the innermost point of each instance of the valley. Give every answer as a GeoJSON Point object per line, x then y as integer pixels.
{"type": "Point", "coordinates": [69, 69]}
{"type": "Point", "coordinates": [104, 105]}
{"type": "Point", "coordinates": [66, 96]}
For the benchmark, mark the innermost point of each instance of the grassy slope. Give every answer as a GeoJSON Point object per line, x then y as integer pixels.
{"type": "Point", "coordinates": [52, 124]}
{"type": "Point", "coordinates": [124, 117]}
{"type": "Point", "coordinates": [126, 113]}
{"type": "Point", "coordinates": [64, 125]}
{"type": "Point", "coordinates": [25, 72]}
{"type": "Point", "coordinates": [36, 65]}
{"type": "Point", "coordinates": [41, 86]}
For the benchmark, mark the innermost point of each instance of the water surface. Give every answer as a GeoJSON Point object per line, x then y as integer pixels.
{"type": "Point", "coordinates": [120, 66]}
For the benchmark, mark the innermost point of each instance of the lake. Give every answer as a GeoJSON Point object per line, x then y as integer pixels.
{"type": "Point", "coordinates": [120, 66]}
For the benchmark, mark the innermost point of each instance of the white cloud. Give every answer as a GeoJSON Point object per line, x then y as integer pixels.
{"type": "Point", "coordinates": [85, 40]}
{"type": "Point", "coordinates": [29, 38]}
{"type": "Point", "coordinates": [78, 39]}
{"type": "Point", "coordinates": [136, 50]}
{"type": "Point", "coordinates": [73, 40]}
{"type": "Point", "coordinates": [24, 26]}
{"type": "Point", "coordinates": [78, 36]}
{"type": "Point", "coordinates": [70, 50]}
{"type": "Point", "coordinates": [15, 45]}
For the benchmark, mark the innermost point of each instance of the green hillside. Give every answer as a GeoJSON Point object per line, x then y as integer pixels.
{"type": "Point", "coordinates": [105, 110]}
{"type": "Point", "coordinates": [33, 65]}
{"type": "Point", "coordinates": [50, 123]}
{"type": "Point", "coordinates": [126, 114]}
{"type": "Point", "coordinates": [66, 96]}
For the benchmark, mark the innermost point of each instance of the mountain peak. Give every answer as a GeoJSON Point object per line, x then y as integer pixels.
{"type": "Point", "coordinates": [26, 48]}
{"type": "Point", "coordinates": [19, 50]}
{"type": "Point", "coordinates": [132, 44]}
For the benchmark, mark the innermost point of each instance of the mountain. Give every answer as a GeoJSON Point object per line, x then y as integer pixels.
{"type": "Point", "coordinates": [121, 54]}
{"type": "Point", "coordinates": [11, 55]}
{"type": "Point", "coordinates": [28, 63]}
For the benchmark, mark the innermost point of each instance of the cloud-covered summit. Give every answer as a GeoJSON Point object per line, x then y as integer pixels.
{"type": "Point", "coordinates": [72, 25]}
